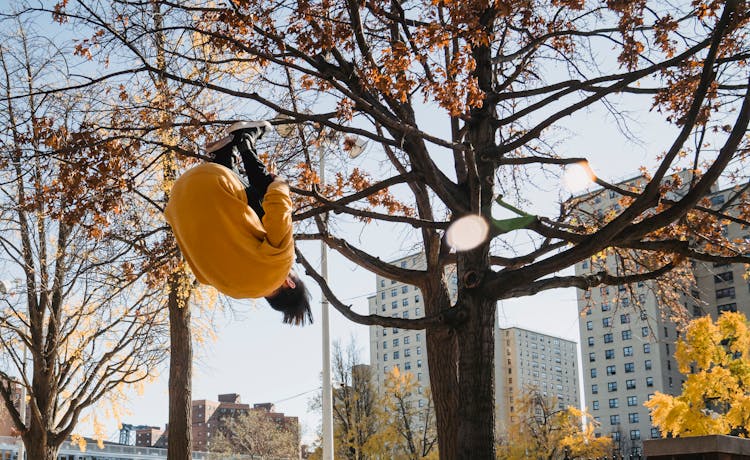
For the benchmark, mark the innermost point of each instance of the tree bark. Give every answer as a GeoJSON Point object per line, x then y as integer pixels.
{"type": "Point", "coordinates": [476, 411]}
{"type": "Point", "coordinates": [40, 448]}
{"type": "Point", "coordinates": [441, 349]}
{"type": "Point", "coordinates": [179, 435]}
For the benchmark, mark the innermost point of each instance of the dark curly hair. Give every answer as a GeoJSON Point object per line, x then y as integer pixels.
{"type": "Point", "coordinates": [294, 303]}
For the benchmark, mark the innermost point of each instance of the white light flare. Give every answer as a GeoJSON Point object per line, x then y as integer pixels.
{"type": "Point", "coordinates": [467, 233]}
{"type": "Point", "coordinates": [578, 176]}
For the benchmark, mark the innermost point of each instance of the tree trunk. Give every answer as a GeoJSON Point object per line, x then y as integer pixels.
{"type": "Point", "coordinates": [41, 452]}
{"type": "Point", "coordinates": [442, 358]}
{"type": "Point", "coordinates": [476, 411]}
{"type": "Point", "coordinates": [37, 445]}
{"type": "Point", "coordinates": [179, 436]}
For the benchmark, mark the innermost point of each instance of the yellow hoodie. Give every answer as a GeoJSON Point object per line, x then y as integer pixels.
{"type": "Point", "coordinates": [221, 237]}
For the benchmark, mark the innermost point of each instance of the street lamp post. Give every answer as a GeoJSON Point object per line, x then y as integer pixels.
{"type": "Point", "coordinates": [355, 146]}
{"type": "Point", "coordinates": [327, 398]}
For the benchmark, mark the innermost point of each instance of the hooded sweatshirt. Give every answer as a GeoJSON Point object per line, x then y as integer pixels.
{"type": "Point", "coordinates": [222, 238]}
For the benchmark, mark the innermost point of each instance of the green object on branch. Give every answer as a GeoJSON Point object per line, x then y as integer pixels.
{"type": "Point", "coordinates": [500, 226]}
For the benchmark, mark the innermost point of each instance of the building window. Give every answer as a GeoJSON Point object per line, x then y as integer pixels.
{"type": "Point", "coordinates": [635, 435]}
{"type": "Point", "coordinates": [407, 339]}
{"type": "Point", "coordinates": [419, 363]}
{"type": "Point", "coordinates": [629, 367]}
{"type": "Point", "coordinates": [655, 433]}
{"type": "Point", "coordinates": [589, 325]}
{"type": "Point", "coordinates": [419, 350]}
{"type": "Point", "coordinates": [405, 314]}
{"type": "Point", "coordinates": [647, 348]}
{"type": "Point", "coordinates": [404, 289]}
{"type": "Point", "coordinates": [394, 292]}
{"type": "Point", "coordinates": [395, 355]}
{"type": "Point", "coordinates": [630, 384]}
{"type": "Point", "coordinates": [585, 264]}
{"type": "Point", "coordinates": [611, 370]}
{"type": "Point", "coordinates": [647, 364]}
{"type": "Point", "coordinates": [605, 307]}
{"type": "Point", "coordinates": [633, 417]}
{"type": "Point", "coordinates": [593, 373]}
{"type": "Point", "coordinates": [419, 336]}
{"type": "Point", "coordinates": [649, 381]}
{"type": "Point", "coordinates": [627, 334]}
{"type": "Point", "coordinates": [613, 403]}
{"type": "Point", "coordinates": [405, 303]}
{"type": "Point", "coordinates": [592, 357]}
{"type": "Point", "coordinates": [594, 389]}
{"type": "Point", "coordinates": [724, 277]}
{"type": "Point", "coordinates": [591, 341]}
{"type": "Point", "coordinates": [614, 419]}
{"type": "Point", "coordinates": [644, 331]}
{"type": "Point", "coordinates": [595, 405]}
{"type": "Point", "coordinates": [608, 337]}
{"type": "Point", "coordinates": [407, 353]}
{"type": "Point", "coordinates": [395, 343]}
{"type": "Point", "coordinates": [382, 295]}
{"type": "Point", "coordinates": [604, 290]}
{"type": "Point", "coordinates": [627, 351]}
{"type": "Point", "coordinates": [417, 312]}
{"type": "Point", "coordinates": [632, 400]}
{"type": "Point", "coordinates": [416, 298]}
{"type": "Point", "coordinates": [382, 283]}
{"type": "Point", "coordinates": [625, 318]}
{"type": "Point", "coordinates": [385, 356]}
{"type": "Point", "coordinates": [612, 386]}
{"type": "Point", "coordinates": [394, 304]}
{"type": "Point", "coordinates": [609, 354]}
{"type": "Point", "coordinates": [725, 293]}
{"type": "Point", "coordinates": [727, 307]}
{"type": "Point", "coordinates": [385, 345]}
{"type": "Point", "coordinates": [407, 365]}
{"type": "Point", "coordinates": [607, 322]}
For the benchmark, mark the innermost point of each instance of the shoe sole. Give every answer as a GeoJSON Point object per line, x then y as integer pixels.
{"type": "Point", "coordinates": [249, 124]}
{"type": "Point", "coordinates": [236, 126]}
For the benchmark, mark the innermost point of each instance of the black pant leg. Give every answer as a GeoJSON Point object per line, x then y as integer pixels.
{"type": "Point", "coordinates": [256, 171]}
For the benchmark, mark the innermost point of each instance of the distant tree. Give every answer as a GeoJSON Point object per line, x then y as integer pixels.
{"type": "Point", "coordinates": [715, 397]}
{"type": "Point", "coordinates": [357, 415]}
{"type": "Point", "coordinates": [542, 430]}
{"type": "Point", "coordinates": [83, 323]}
{"type": "Point", "coordinates": [409, 430]}
{"type": "Point", "coordinates": [255, 433]}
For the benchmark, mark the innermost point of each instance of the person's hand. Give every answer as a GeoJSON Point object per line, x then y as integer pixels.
{"type": "Point", "coordinates": [273, 169]}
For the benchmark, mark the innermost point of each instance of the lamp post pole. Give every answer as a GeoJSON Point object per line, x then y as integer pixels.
{"type": "Point", "coordinates": [327, 398]}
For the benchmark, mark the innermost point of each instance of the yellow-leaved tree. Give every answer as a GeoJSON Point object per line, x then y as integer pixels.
{"type": "Point", "coordinates": [715, 397]}
{"type": "Point", "coordinates": [544, 430]}
{"type": "Point", "coordinates": [409, 430]}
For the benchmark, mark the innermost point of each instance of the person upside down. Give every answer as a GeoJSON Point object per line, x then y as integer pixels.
{"type": "Point", "coordinates": [236, 235]}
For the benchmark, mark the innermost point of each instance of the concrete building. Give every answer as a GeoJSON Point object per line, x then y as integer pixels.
{"type": "Point", "coordinates": [407, 349]}
{"type": "Point", "coordinates": [394, 347]}
{"type": "Point", "coordinates": [628, 343]}
{"type": "Point", "coordinates": [526, 361]}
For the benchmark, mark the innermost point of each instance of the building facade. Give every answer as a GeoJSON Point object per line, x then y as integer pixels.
{"type": "Point", "coordinates": [628, 341]}
{"type": "Point", "coordinates": [208, 417]}
{"type": "Point", "coordinates": [528, 361]}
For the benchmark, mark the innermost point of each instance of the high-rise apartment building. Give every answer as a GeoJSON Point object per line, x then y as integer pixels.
{"type": "Point", "coordinates": [405, 348]}
{"type": "Point", "coordinates": [528, 361]}
{"type": "Point", "coordinates": [544, 361]}
{"type": "Point", "coordinates": [627, 340]}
